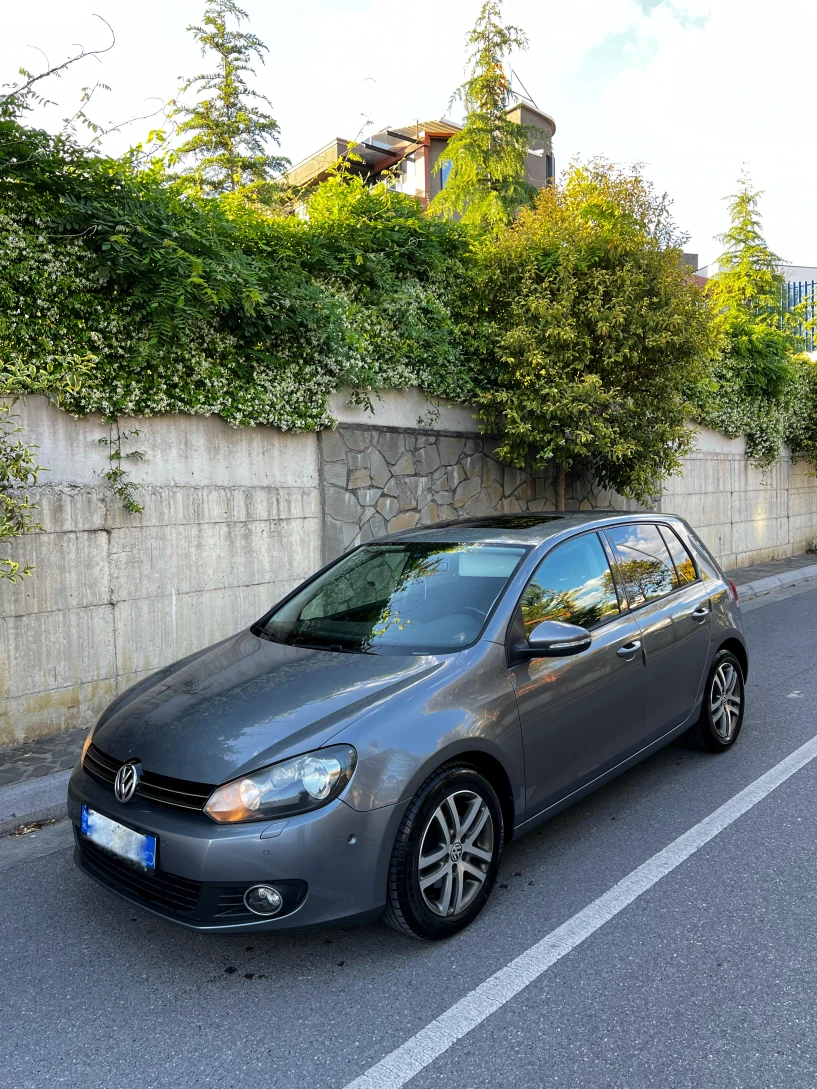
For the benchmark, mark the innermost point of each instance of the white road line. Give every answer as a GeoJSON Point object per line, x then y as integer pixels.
{"type": "Point", "coordinates": [402, 1064]}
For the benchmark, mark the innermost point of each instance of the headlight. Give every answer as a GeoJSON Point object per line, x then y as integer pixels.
{"type": "Point", "coordinates": [86, 745]}
{"type": "Point", "coordinates": [282, 790]}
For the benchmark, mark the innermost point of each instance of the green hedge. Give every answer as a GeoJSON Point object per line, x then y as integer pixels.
{"type": "Point", "coordinates": [161, 301]}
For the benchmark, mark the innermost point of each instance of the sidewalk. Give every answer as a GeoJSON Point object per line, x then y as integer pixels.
{"type": "Point", "coordinates": [765, 578]}
{"type": "Point", "coordinates": [34, 775]}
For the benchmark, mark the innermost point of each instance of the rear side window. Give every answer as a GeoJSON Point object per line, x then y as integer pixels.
{"type": "Point", "coordinates": [707, 567]}
{"type": "Point", "coordinates": [573, 583]}
{"type": "Point", "coordinates": [684, 564]}
{"type": "Point", "coordinates": [644, 562]}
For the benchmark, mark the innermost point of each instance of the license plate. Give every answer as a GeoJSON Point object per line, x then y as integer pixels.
{"type": "Point", "coordinates": [133, 847]}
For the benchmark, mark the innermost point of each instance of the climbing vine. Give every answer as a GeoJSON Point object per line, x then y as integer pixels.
{"type": "Point", "coordinates": [171, 302]}
{"type": "Point", "coordinates": [117, 476]}
{"type": "Point", "coordinates": [18, 472]}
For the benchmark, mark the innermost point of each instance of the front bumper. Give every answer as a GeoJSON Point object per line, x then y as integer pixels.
{"type": "Point", "coordinates": [331, 865]}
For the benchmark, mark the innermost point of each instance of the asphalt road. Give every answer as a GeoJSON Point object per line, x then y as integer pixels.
{"type": "Point", "coordinates": [706, 980]}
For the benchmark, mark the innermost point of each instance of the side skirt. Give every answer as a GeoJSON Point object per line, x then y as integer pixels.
{"type": "Point", "coordinates": [612, 773]}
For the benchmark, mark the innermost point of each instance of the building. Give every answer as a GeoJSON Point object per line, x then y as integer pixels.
{"type": "Point", "coordinates": [800, 293]}
{"type": "Point", "coordinates": [408, 156]}
{"type": "Point", "coordinates": [792, 274]}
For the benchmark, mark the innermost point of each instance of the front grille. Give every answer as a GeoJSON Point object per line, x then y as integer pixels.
{"type": "Point", "coordinates": [231, 902]}
{"type": "Point", "coordinates": [181, 793]}
{"type": "Point", "coordinates": [177, 895]}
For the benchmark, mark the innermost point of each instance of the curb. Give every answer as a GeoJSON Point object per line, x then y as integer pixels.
{"type": "Point", "coordinates": [768, 585]}
{"type": "Point", "coordinates": [39, 799]}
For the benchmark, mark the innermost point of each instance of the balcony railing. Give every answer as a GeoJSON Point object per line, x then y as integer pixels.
{"type": "Point", "coordinates": [801, 298]}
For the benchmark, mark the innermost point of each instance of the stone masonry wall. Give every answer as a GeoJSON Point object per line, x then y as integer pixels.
{"type": "Point", "coordinates": [376, 480]}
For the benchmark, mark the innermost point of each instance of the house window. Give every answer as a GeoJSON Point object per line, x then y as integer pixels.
{"type": "Point", "coordinates": [409, 175]}
{"type": "Point", "coordinates": [445, 170]}
{"type": "Point", "coordinates": [403, 177]}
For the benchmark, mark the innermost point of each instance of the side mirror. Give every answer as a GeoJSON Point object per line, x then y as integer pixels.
{"type": "Point", "coordinates": [554, 639]}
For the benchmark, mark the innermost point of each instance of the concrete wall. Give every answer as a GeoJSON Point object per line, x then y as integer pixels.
{"type": "Point", "coordinates": [234, 519]}
{"type": "Point", "coordinates": [745, 515]}
{"type": "Point", "coordinates": [231, 523]}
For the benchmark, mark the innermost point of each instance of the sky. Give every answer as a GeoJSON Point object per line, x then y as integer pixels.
{"type": "Point", "coordinates": [693, 89]}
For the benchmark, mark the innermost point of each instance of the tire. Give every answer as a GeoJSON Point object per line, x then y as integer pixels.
{"type": "Point", "coordinates": [721, 718]}
{"type": "Point", "coordinates": [453, 828]}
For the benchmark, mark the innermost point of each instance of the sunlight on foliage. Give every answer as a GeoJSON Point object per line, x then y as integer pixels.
{"type": "Point", "coordinates": [762, 386]}
{"type": "Point", "coordinates": [487, 183]}
{"type": "Point", "coordinates": [598, 330]}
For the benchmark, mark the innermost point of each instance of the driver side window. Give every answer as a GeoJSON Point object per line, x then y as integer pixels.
{"type": "Point", "coordinates": [573, 583]}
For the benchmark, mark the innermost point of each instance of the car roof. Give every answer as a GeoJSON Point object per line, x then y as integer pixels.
{"type": "Point", "coordinates": [527, 529]}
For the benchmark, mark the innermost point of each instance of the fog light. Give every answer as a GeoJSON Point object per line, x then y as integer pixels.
{"type": "Point", "coordinates": [263, 900]}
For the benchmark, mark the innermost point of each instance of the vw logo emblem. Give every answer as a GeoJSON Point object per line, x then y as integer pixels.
{"type": "Point", "coordinates": [126, 781]}
{"type": "Point", "coordinates": [456, 851]}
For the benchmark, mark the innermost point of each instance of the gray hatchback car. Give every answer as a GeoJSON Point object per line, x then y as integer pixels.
{"type": "Point", "coordinates": [370, 745]}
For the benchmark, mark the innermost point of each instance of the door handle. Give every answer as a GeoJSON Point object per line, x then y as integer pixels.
{"type": "Point", "coordinates": [700, 612]}
{"type": "Point", "coordinates": [629, 649]}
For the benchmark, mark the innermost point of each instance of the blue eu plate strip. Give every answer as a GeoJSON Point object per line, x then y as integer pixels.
{"type": "Point", "coordinates": [133, 847]}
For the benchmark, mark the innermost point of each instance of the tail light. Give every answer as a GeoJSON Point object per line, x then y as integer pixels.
{"type": "Point", "coordinates": [734, 590]}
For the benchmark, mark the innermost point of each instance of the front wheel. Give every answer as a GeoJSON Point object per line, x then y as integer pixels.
{"type": "Point", "coordinates": [446, 854]}
{"type": "Point", "coordinates": [721, 716]}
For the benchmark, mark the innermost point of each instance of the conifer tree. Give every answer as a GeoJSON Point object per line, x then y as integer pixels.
{"type": "Point", "coordinates": [755, 372]}
{"type": "Point", "coordinates": [228, 129]}
{"type": "Point", "coordinates": [486, 184]}
{"type": "Point", "coordinates": [748, 278]}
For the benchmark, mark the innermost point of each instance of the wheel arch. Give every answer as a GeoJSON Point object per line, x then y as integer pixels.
{"type": "Point", "coordinates": [492, 769]}
{"type": "Point", "coordinates": [739, 650]}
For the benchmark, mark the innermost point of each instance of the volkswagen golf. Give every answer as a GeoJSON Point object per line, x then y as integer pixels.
{"type": "Point", "coordinates": [371, 744]}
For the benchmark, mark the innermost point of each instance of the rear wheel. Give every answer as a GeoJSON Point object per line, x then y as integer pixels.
{"type": "Point", "coordinates": [721, 716]}
{"type": "Point", "coordinates": [446, 854]}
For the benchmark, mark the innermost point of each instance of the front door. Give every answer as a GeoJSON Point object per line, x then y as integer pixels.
{"type": "Point", "coordinates": [671, 605]}
{"type": "Point", "coordinates": [584, 714]}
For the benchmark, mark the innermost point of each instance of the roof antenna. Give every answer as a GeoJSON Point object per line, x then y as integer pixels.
{"type": "Point", "coordinates": [368, 106]}
{"type": "Point", "coordinates": [524, 88]}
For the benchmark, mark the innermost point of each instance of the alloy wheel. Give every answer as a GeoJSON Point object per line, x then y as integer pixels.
{"type": "Point", "coordinates": [725, 700]}
{"type": "Point", "coordinates": [455, 853]}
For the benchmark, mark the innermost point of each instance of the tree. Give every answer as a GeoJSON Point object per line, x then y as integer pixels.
{"type": "Point", "coordinates": [228, 129]}
{"type": "Point", "coordinates": [598, 329]}
{"type": "Point", "coordinates": [486, 184]}
{"type": "Point", "coordinates": [748, 278]}
{"type": "Point", "coordinates": [756, 377]}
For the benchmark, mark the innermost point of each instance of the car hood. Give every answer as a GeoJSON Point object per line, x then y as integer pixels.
{"type": "Point", "coordinates": [246, 702]}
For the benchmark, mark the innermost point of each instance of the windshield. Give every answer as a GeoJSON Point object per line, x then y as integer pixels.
{"type": "Point", "coordinates": [403, 597]}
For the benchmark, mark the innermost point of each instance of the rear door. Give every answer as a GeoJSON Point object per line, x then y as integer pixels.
{"type": "Point", "coordinates": [579, 715]}
{"type": "Point", "coordinates": [672, 608]}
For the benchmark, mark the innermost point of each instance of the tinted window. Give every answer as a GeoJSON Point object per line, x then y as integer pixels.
{"type": "Point", "coordinates": [707, 567]}
{"type": "Point", "coordinates": [410, 596]}
{"type": "Point", "coordinates": [573, 583]}
{"type": "Point", "coordinates": [643, 560]}
{"type": "Point", "coordinates": [684, 565]}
